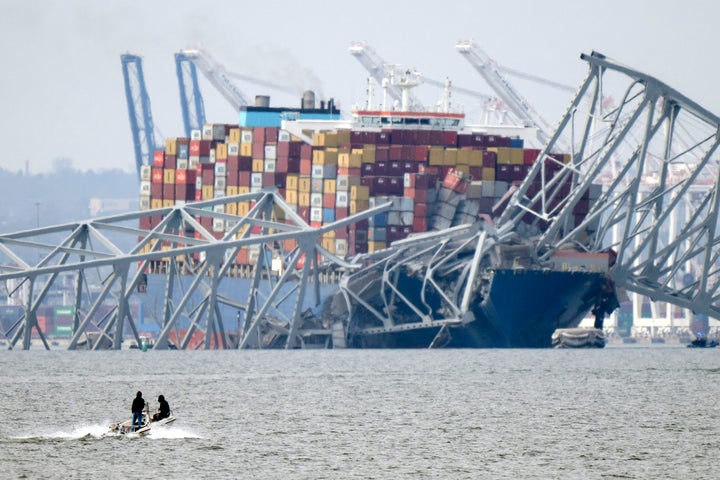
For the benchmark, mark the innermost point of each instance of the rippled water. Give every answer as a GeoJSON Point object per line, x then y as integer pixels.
{"type": "Point", "coordinates": [621, 412]}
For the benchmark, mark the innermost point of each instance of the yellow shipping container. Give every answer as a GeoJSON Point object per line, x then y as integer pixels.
{"type": "Point", "coordinates": [464, 169]}
{"type": "Point", "coordinates": [463, 156]}
{"type": "Point", "coordinates": [488, 174]}
{"type": "Point", "coordinates": [258, 165]}
{"type": "Point", "coordinates": [436, 157]}
{"type": "Point", "coordinates": [156, 203]}
{"type": "Point", "coordinates": [503, 154]}
{"type": "Point", "coordinates": [329, 235]}
{"type": "Point", "coordinates": [343, 137]}
{"type": "Point", "coordinates": [291, 197]}
{"type": "Point", "coordinates": [208, 192]}
{"type": "Point", "coordinates": [357, 206]}
{"type": "Point", "coordinates": [304, 185]}
{"type": "Point", "coordinates": [359, 192]}
{"type": "Point", "coordinates": [517, 156]}
{"type": "Point", "coordinates": [328, 245]}
{"type": "Point", "coordinates": [376, 246]}
{"type": "Point", "coordinates": [234, 136]}
{"type": "Point", "coordinates": [329, 156]}
{"type": "Point", "coordinates": [243, 208]}
{"type": "Point", "coordinates": [303, 199]}
{"type": "Point", "coordinates": [171, 146]}
{"type": "Point", "coordinates": [566, 158]}
{"type": "Point", "coordinates": [246, 149]}
{"type": "Point", "coordinates": [291, 181]}
{"type": "Point", "coordinates": [169, 176]}
{"type": "Point", "coordinates": [231, 208]}
{"type": "Point", "coordinates": [450, 157]}
{"type": "Point", "coordinates": [231, 190]}
{"type": "Point", "coordinates": [327, 139]}
{"type": "Point", "coordinates": [168, 203]}
{"type": "Point", "coordinates": [243, 190]}
{"type": "Point", "coordinates": [329, 186]}
{"type": "Point", "coordinates": [476, 158]}
{"type": "Point", "coordinates": [368, 154]}
{"type": "Point", "coordinates": [221, 151]}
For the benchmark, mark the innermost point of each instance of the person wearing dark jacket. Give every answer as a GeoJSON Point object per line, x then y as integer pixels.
{"type": "Point", "coordinates": [138, 405]}
{"type": "Point", "coordinates": [163, 411]}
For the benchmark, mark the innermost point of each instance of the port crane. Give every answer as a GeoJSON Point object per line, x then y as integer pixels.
{"type": "Point", "coordinates": [217, 75]}
{"type": "Point", "coordinates": [668, 248]}
{"type": "Point", "coordinates": [191, 100]}
{"type": "Point", "coordinates": [521, 109]}
{"type": "Point", "coordinates": [139, 111]}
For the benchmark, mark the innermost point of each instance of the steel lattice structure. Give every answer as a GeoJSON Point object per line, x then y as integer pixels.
{"type": "Point", "coordinates": [655, 155]}
{"type": "Point", "coordinates": [34, 262]}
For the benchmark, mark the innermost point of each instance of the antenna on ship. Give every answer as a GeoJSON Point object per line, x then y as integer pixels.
{"type": "Point", "coordinates": [370, 93]}
{"type": "Point", "coordinates": [406, 83]}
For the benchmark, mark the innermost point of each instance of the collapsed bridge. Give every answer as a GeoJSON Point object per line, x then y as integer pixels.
{"type": "Point", "coordinates": [651, 151]}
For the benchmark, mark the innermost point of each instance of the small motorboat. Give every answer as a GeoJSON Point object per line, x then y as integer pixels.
{"type": "Point", "coordinates": [147, 425]}
{"type": "Point", "coordinates": [702, 342]}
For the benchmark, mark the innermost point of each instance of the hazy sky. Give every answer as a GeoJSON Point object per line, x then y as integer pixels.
{"type": "Point", "coordinates": [62, 94]}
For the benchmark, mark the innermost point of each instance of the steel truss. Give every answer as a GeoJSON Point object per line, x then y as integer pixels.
{"type": "Point", "coordinates": [655, 157]}
{"type": "Point", "coordinates": [105, 262]}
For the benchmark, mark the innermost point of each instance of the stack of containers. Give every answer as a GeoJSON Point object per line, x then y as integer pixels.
{"type": "Point", "coordinates": [343, 173]}
{"type": "Point", "coordinates": [451, 192]}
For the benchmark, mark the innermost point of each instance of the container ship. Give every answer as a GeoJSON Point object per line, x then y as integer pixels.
{"type": "Point", "coordinates": [437, 173]}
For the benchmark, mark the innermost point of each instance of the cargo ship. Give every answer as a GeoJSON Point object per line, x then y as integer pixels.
{"type": "Point", "coordinates": [439, 176]}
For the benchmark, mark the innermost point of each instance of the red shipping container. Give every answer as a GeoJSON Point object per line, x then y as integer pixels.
{"type": "Point", "coordinates": [200, 147]}
{"type": "Point", "coordinates": [328, 200]}
{"type": "Point", "coordinates": [420, 224]}
{"type": "Point", "coordinates": [530, 155]}
{"type": "Point", "coordinates": [420, 153]}
{"type": "Point", "coordinates": [169, 191]}
{"type": "Point", "coordinates": [408, 152]}
{"type": "Point", "coordinates": [185, 191]}
{"type": "Point", "coordinates": [449, 138]}
{"type": "Point", "coordinates": [258, 135]}
{"type": "Point", "coordinates": [233, 164]}
{"type": "Point", "coordinates": [245, 164]}
{"type": "Point", "coordinates": [283, 149]}
{"type": "Point", "coordinates": [489, 159]}
{"type": "Point", "coordinates": [170, 162]}
{"type": "Point", "coordinates": [268, 179]}
{"type": "Point", "coordinates": [281, 165]}
{"type": "Point", "coordinates": [304, 213]}
{"type": "Point", "coordinates": [382, 154]}
{"type": "Point", "coordinates": [258, 150]}
{"type": "Point", "coordinates": [306, 152]}
{"type": "Point", "coordinates": [181, 176]}
{"type": "Point", "coordinates": [244, 178]}
{"type": "Point", "coordinates": [305, 166]}
{"type": "Point", "coordinates": [208, 177]}
{"type": "Point", "coordinates": [156, 175]}
{"type": "Point", "coordinates": [436, 137]}
{"type": "Point", "coordinates": [395, 153]}
{"type": "Point", "coordinates": [420, 209]}
{"type": "Point", "coordinates": [341, 233]}
{"type": "Point", "coordinates": [271, 134]}
{"type": "Point", "coordinates": [423, 137]}
{"type": "Point", "coordinates": [159, 158]}
{"type": "Point", "coordinates": [341, 212]}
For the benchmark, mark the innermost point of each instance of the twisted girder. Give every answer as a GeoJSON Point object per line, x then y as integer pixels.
{"type": "Point", "coordinates": [653, 161]}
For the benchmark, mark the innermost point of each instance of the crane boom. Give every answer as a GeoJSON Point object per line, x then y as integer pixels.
{"type": "Point", "coordinates": [380, 70]}
{"type": "Point", "coordinates": [218, 77]}
{"type": "Point", "coordinates": [489, 70]}
{"type": "Point", "coordinates": [138, 102]}
{"type": "Point", "coordinates": [191, 101]}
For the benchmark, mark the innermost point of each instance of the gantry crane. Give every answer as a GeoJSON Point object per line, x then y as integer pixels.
{"type": "Point", "coordinates": [519, 106]}
{"type": "Point", "coordinates": [217, 75]}
{"type": "Point", "coordinates": [138, 101]}
{"type": "Point", "coordinates": [191, 100]}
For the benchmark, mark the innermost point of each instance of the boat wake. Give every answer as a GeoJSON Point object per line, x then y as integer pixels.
{"type": "Point", "coordinates": [101, 431]}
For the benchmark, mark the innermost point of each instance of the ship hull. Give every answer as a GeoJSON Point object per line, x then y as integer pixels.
{"type": "Point", "coordinates": [522, 310]}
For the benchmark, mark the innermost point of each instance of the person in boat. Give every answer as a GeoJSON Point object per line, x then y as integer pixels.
{"type": "Point", "coordinates": [163, 411]}
{"type": "Point", "coordinates": [138, 405]}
